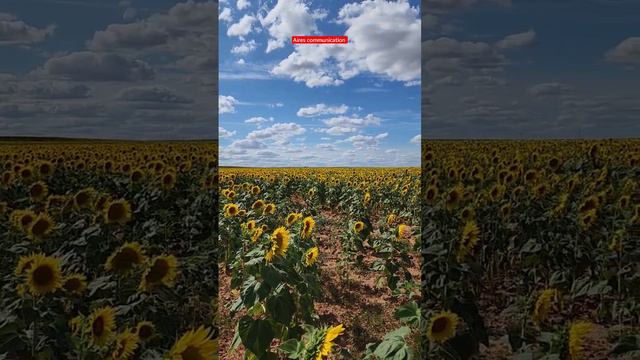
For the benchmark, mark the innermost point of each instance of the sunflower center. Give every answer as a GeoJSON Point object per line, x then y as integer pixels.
{"type": "Point", "coordinates": [36, 190]}
{"type": "Point", "coordinates": [145, 331]}
{"type": "Point", "coordinates": [43, 276]}
{"type": "Point", "coordinates": [439, 325]}
{"type": "Point", "coordinates": [116, 211]}
{"type": "Point", "coordinates": [26, 220]}
{"type": "Point", "coordinates": [125, 259]}
{"type": "Point", "coordinates": [158, 271]}
{"type": "Point", "coordinates": [40, 227]}
{"type": "Point", "coordinates": [98, 326]}
{"type": "Point", "coordinates": [192, 353]}
{"type": "Point", "coordinates": [168, 179]}
{"type": "Point", "coordinates": [72, 284]}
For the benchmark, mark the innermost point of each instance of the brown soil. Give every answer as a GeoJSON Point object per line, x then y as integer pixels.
{"type": "Point", "coordinates": [366, 311]}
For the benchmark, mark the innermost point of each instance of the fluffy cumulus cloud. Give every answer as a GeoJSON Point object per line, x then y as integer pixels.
{"type": "Point", "coordinates": [243, 27]}
{"type": "Point", "coordinates": [90, 66]}
{"type": "Point", "coordinates": [416, 139]}
{"type": "Point", "coordinates": [322, 109]}
{"type": "Point", "coordinates": [364, 141]}
{"type": "Point", "coordinates": [626, 52]}
{"type": "Point", "coordinates": [225, 15]}
{"type": "Point", "coordinates": [384, 38]}
{"type": "Point", "coordinates": [287, 18]}
{"type": "Point", "coordinates": [243, 4]}
{"type": "Point", "coordinates": [223, 133]}
{"type": "Point", "coordinates": [341, 125]}
{"type": "Point", "coordinates": [258, 120]}
{"type": "Point", "coordinates": [14, 31]}
{"type": "Point", "coordinates": [517, 40]}
{"type": "Point", "coordinates": [226, 104]}
{"type": "Point", "coordinates": [244, 47]}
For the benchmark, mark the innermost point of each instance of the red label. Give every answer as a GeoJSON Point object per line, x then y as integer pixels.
{"type": "Point", "coordinates": [319, 39]}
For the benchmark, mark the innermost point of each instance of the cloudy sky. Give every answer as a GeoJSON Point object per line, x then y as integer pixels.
{"type": "Point", "coordinates": [319, 105]}
{"type": "Point", "coordinates": [531, 69]}
{"type": "Point", "coordinates": [132, 69]}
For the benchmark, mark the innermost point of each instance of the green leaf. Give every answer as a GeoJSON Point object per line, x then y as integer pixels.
{"type": "Point", "coordinates": [409, 313]}
{"type": "Point", "coordinates": [256, 334]}
{"type": "Point", "coordinates": [281, 307]}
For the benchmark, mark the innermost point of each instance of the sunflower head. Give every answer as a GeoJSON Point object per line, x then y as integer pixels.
{"type": "Point", "coordinates": [269, 209]}
{"type": "Point", "coordinates": [358, 226]}
{"type": "Point", "coordinates": [195, 344]}
{"type": "Point", "coordinates": [162, 271]}
{"type": "Point", "coordinates": [308, 224]}
{"type": "Point", "coordinates": [101, 325]}
{"type": "Point", "coordinates": [292, 218]}
{"type": "Point", "coordinates": [44, 275]}
{"type": "Point", "coordinates": [83, 199]}
{"type": "Point", "coordinates": [257, 205]}
{"type": "Point", "coordinates": [125, 258]}
{"type": "Point", "coordinates": [75, 284]}
{"type": "Point", "coordinates": [125, 345]}
{"type": "Point", "coordinates": [41, 227]}
{"type": "Point", "coordinates": [117, 212]}
{"type": "Point", "coordinates": [442, 327]}
{"type": "Point", "coordinates": [279, 243]}
{"type": "Point", "coordinates": [145, 330]}
{"type": "Point", "coordinates": [38, 191]}
{"type": "Point", "coordinates": [231, 210]}
{"type": "Point", "coordinates": [310, 256]}
{"type": "Point", "coordinates": [468, 240]}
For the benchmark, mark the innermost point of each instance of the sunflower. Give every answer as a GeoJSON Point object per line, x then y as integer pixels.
{"type": "Point", "coordinates": [75, 284]}
{"type": "Point", "coordinates": [269, 209]}
{"type": "Point", "coordinates": [442, 327]}
{"type": "Point", "coordinates": [83, 199]}
{"type": "Point", "coordinates": [136, 175]}
{"type": "Point", "coordinates": [391, 218]}
{"type": "Point", "coordinates": [358, 226]}
{"type": "Point", "coordinates": [25, 263]}
{"type": "Point", "coordinates": [587, 219]}
{"type": "Point", "coordinates": [468, 240]}
{"type": "Point", "coordinates": [257, 205]}
{"type": "Point", "coordinates": [38, 191]}
{"type": "Point", "coordinates": [255, 190]}
{"type": "Point", "coordinates": [101, 325]}
{"type": "Point", "coordinates": [543, 304]}
{"type": "Point", "coordinates": [117, 212]}
{"type": "Point", "coordinates": [257, 234]}
{"type": "Point", "coordinates": [327, 343]}
{"type": "Point", "coordinates": [308, 225]}
{"type": "Point", "coordinates": [75, 324]}
{"type": "Point", "coordinates": [168, 180]}
{"type": "Point", "coordinates": [125, 345]}
{"type": "Point", "coordinates": [251, 225]}
{"type": "Point", "coordinates": [310, 256]}
{"type": "Point", "coordinates": [195, 345]}
{"type": "Point", "coordinates": [292, 218]}
{"type": "Point", "coordinates": [577, 332]}
{"type": "Point", "coordinates": [453, 198]}
{"type": "Point", "coordinates": [279, 243]}
{"type": "Point", "coordinates": [125, 258]}
{"type": "Point", "coordinates": [162, 271]}
{"type": "Point", "coordinates": [230, 210]}
{"type": "Point", "coordinates": [44, 275]}
{"type": "Point", "coordinates": [41, 227]}
{"type": "Point", "coordinates": [467, 214]}
{"type": "Point", "coordinates": [615, 243]}
{"type": "Point", "coordinates": [505, 211]}
{"type": "Point", "coordinates": [22, 219]}
{"type": "Point", "coordinates": [403, 232]}
{"type": "Point", "coordinates": [145, 330]}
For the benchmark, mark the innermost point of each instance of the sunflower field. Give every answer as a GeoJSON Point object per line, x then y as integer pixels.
{"type": "Point", "coordinates": [108, 250]}
{"type": "Point", "coordinates": [531, 249]}
{"type": "Point", "coordinates": [320, 263]}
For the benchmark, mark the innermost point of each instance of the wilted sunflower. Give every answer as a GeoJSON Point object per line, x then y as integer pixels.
{"type": "Point", "coordinates": [101, 325]}
{"type": "Point", "coordinates": [38, 191]}
{"type": "Point", "coordinates": [117, 212]}
{"type": "Point", "coordinates": [279, 243]}
{"type": "Point", "coordinates": [310, 256]}
{"type": "Point", "coordinates": [75, 284]}
{"type": "Point", "coordinates": [41, 227]}
{"type": "Point", "coordinates": [44, 275]}
{"type": "Point", "coordinates": [125, 258]}
{"type": "Point", "coordinates": [358, 226]}
{"type": "Point", "coordinates": [195, 345]}
{"type": "Point", "coordinates": [327, 343]}
{"type": "Point", "coordinates": [468, 240]}
{"type": "Point", "coordinates": [125, 345]}
{"type": "Point", "coordinates": [442, 327]}
{"type": "Point", "coordinates": [145, 330]}
{"type": "Point", "coordinates": [307, 228]}
{"type": "Point", "coordinates": [577, 333]}
{"type": "Point", "coordinates": [162, 271]}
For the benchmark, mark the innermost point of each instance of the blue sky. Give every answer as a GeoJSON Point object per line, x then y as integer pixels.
{"type": "Point", "coordinates": [531, 69]}
{"type": "Point", "coordinates": [124, 69]}
{"type": "Point", "coordinates": [319, 105]}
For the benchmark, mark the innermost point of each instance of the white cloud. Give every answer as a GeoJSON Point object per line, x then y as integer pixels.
{"type": "Point", "coordinates": [384, 39]}
{"type": "Point", "coordinates": [322, 109]}
{"type": "Point", "coordinates": [287, 18]}
{"type": "Point", "coordinates": [517, 40]}
{"type": "Point", "coordinates": [416, 139]}
{"type": "Point", "coordinates": [225, 15]}
{"type": "Point", "coordinates": [280, 133]}
{"type": "Point", "coordinates": [245, 47]}
{"type": "Point", "coordinates": [241, 62]}
{"type": "Point", "coordinates": [243, 4]}
{"type": "Point", "coordinates": [627, 52]}
{"type": "Point", "coordinates": [363, 141]}
{"type": "Point", "coordinates": [242, 28]}
{"type": "Point", "coordinates": [258, 120]}
{"type": "Point", "coordinates": [341, 125]}
{"type": "Point", "coordinates": [225, 133]}
{"type": "Point", "coordinates": [226, 104]}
